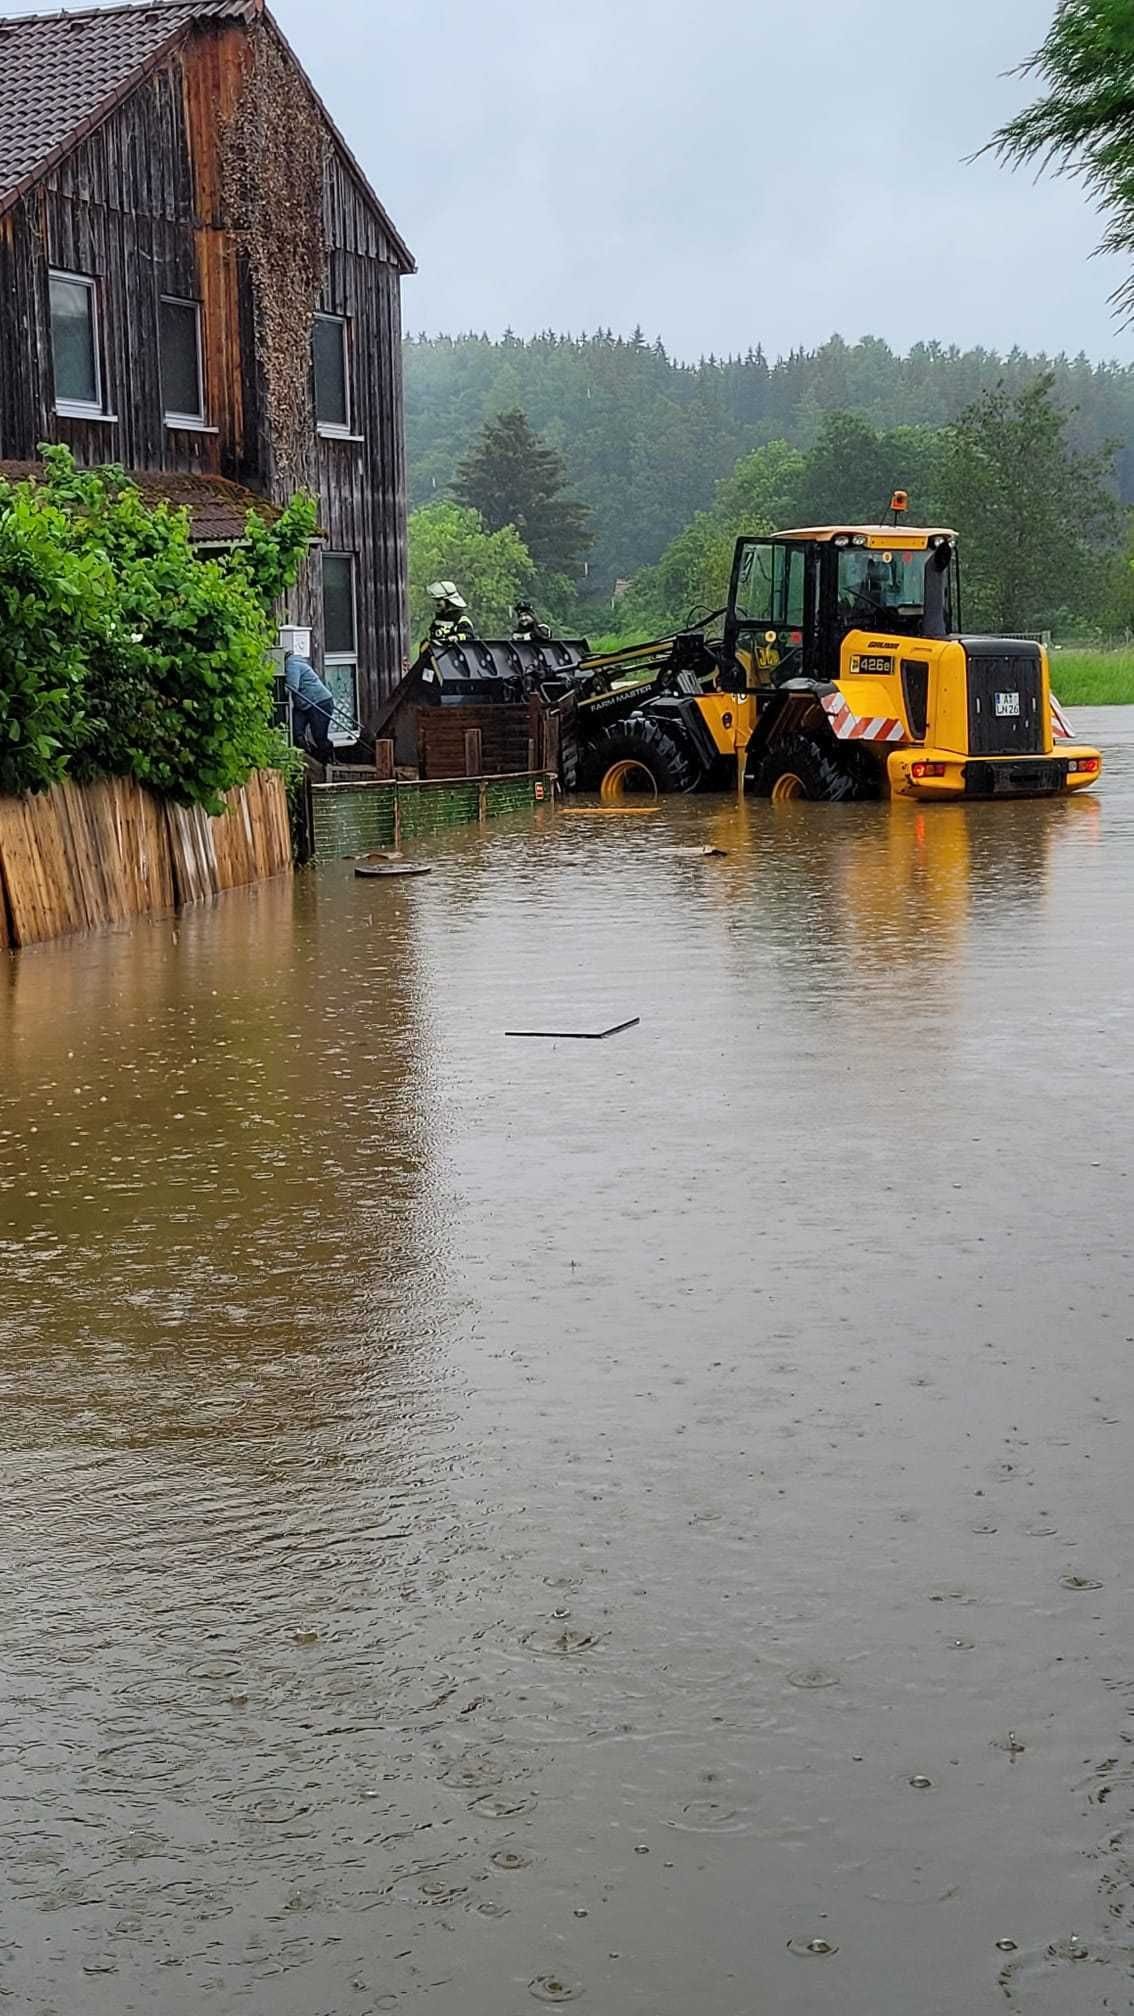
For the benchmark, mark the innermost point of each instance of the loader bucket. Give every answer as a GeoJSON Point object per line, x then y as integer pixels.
{"type": "Point", "coordinates": [484, 669]}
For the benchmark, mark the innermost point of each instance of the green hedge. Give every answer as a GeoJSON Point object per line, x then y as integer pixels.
{"type": "Point", "coordinates": [125, 652]}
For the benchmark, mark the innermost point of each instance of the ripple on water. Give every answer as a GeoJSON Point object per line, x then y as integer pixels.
{"type": "Point", "coordinates": [503, 1803]}
{"type": "Point", "coordinates": [554, 1988]}
{"type": "Point", "coordinates": [434, 1891]}
{"type": "Point", "coordinates": [812, 1949]}
{"type": "Point", "coordinates": [559, 1644]}
{"type": "Point", "coordinates": [814, 1677]}
{"type": "Point", "coordinates": [266, 1808]}
{"type": "Point", "coordinates": [1072, 1948]}
{"type": "Point", "coordinates": [145, 1759]}
{"type": "Point", "coordinates": [479, 1770]}
{"type": "Point", "coordinates": [711, 1816]}
{"type": "Point", "coordinates": [217, 1672]}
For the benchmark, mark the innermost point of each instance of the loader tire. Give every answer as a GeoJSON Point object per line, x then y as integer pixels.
{"type": "Point", "coordinates": [639, 755]}
{"type": "Point", "coordinates": [803, 766]}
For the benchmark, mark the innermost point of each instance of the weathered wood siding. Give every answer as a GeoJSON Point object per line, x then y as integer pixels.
{"type": "Point", "coordinates": [139, 205]}
{"type": "Point", "coordinates": [125, 208]}
{"type": "Point", "coordinates": [362, 484]}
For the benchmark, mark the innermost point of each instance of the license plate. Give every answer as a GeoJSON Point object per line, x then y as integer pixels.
{"type": "Point", "coordinates": [1007, 706]}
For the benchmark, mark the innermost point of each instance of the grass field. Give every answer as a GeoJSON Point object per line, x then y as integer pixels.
{"type": "Point", "coordinates": [1093, 678]}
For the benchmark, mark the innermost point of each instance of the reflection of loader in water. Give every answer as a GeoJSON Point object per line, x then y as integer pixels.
{"type": "Point", "coordinates": [875, 897]}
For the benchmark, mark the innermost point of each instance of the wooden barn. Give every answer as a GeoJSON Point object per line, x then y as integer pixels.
{"type": "Point", "coordinates": [197, 281]}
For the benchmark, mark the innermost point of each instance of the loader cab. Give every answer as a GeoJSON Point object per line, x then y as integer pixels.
{"type": "Point", "coordinates": [794, 597]}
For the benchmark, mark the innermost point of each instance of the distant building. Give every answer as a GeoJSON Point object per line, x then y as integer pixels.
{"type": "Point", "coordinates": [197, 281]}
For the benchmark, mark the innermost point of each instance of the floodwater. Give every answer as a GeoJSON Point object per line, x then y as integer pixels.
{"type": "Point", "coordinates": [646, 1522]}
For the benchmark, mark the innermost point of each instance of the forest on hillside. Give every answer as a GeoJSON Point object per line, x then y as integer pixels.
{"type": "Point", "coordinates": [646, 439]}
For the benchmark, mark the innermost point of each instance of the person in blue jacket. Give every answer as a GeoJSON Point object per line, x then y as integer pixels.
{"type": "Point", "coordinates": [312, 708]}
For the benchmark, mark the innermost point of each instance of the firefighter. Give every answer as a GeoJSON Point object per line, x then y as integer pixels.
{"type": "Point", "coordinates": [527, 627]}
{"type": "Point", "coordinates": [450, 623]}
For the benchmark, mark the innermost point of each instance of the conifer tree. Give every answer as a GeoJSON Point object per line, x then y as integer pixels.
{"type": "Point", "coordinates": [512, 477]}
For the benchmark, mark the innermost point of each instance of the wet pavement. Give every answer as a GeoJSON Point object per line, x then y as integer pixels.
{"type": "Point", "coordinates": [646, 1522]}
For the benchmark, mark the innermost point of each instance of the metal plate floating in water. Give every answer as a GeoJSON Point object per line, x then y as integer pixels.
{"type": "Point", "coordinates": [392, 868]}
{"type": "Point", "coordinates": [576, 1035]}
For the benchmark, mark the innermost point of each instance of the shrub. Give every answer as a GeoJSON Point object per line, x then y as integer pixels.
{"type": "Point", "coordinates": [137, 656]}
{"type": "Point", "coordinates": [53, 611]}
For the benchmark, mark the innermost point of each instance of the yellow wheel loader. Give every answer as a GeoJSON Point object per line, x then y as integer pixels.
{"type": "Point", "coordinates": [843, 672]}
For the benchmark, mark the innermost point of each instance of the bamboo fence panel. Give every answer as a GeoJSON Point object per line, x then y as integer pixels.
{"type": "Point", "coordinates": [85, 855]}
{"type": "Point", "coordinates": [42, 898]}
{"type": "Point", "coordinates": [191, 853]}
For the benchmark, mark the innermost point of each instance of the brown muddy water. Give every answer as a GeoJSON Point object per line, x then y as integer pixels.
{"type": "Point", "coordinates": [646, 1522]}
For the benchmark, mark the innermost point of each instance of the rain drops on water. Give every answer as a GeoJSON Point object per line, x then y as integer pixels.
{"type": "Point", "coordinates": [550, 1988]}
{"type": "Point", "coordinates": [1073, 1948]}
{"type": "Point", "coordinates": [1011, 1743]}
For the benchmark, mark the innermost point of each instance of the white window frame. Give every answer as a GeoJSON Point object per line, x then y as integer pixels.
{"type": "Point", "coordinates": [80, 409]}
{"type": "Point", "coordinates": [190, 421]}
{"type": "Point", "coordinates": [334, 430]}
{"type": "Point", "coordinates": [340, 660]}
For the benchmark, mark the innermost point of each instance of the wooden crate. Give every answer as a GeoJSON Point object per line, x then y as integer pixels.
{"type": "Point", "coordinates": [446, 741]}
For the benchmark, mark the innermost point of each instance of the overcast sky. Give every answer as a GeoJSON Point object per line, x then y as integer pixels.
{"type": "Point", "coordinates": [724, 172]}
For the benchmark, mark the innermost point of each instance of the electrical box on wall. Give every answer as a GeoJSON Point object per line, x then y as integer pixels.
{"type": "Point", "coordinates": [295, 643]}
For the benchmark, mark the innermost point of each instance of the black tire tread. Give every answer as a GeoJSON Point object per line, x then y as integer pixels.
{"type": "Point", "coordinates": [642, 740]}
{"type": "Point", "coordinates": [826, 773]}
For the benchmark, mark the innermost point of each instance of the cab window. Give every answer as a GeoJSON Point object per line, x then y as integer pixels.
{"type": "Point", "coordinates": [770, 586]}
{"type": "Point", "coordinates": [907, 591]}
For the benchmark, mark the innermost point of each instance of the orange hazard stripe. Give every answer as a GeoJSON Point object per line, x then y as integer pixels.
{"type": "Point", "coordinates": [850, 727]}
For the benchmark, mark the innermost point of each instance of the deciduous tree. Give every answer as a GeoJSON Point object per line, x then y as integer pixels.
{"type": "Point", "coordinates": [450, 542]}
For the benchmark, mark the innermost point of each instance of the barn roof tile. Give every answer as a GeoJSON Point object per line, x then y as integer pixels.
{"type": "Point", "coordinates": [217, 507]}
{"type": "Point", "coordinates": [60, 73]}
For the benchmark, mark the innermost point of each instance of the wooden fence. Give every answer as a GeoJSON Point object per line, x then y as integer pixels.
{"type": "Point", "coordinates": [84, 855]}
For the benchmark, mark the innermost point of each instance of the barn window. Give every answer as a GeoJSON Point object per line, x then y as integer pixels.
{"type": "Point", "coordinates": [75, 345]}
{"type": "Point", "coordinates": [332, 374]}
{"type": "Point", "coordinates": [340, 642]}
{"type": "Point", "coordinates": [182, 377]}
